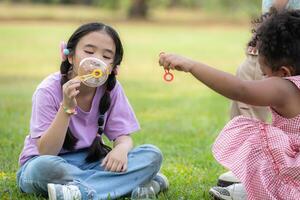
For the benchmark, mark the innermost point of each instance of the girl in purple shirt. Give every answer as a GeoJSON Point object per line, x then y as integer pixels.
{"type": "Point", "coordinates": [64, 156]}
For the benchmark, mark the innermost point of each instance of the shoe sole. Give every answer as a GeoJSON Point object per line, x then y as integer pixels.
{"type": "Point", "coordinates": [223, 183]}
{"type": "Point", "coordinates": [217, 196]}
{"type": "Point", "coordinates": [51, 191]}
{"type": "Point", "coordinates": [165, 186]}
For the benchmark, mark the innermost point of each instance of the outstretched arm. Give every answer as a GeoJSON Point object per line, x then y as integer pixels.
{"type": "Point", "coordinates": [269, 92]}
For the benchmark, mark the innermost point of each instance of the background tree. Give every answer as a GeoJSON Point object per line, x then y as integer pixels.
{"type": "Point", "coordinates": [138, 9]}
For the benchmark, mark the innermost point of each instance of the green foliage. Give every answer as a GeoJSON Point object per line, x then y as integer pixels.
{"type": "Point", "coordinates": [226, 4]}
{"type": "Point", "coordinates": [226, 7]}
{"type": "Point", "coordinates": [112, 4]}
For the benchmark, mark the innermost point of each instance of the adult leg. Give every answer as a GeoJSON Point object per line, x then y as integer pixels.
{"type": "Point", "coordinates": [249, 70]}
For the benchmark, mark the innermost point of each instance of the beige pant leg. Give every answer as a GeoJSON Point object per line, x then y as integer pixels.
{"type": "Point", "coordinates": [249, 70]}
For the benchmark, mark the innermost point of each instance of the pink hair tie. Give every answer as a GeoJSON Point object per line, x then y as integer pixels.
{"type": "Point", "coordinates": [64, 51]}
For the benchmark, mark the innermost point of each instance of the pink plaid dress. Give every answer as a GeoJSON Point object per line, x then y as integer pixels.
{"type": "Point", "coordinates": [265, 157]}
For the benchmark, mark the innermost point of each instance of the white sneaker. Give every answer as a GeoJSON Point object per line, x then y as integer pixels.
{"type": "Point", "coordinates": [227, 179]}
{"type": "Point", "coordinates": [63, 192]}
{"type": "Point", "coordinates": [163, 181]}
{"type": "Point", "coordinates": [232, 192]}
{"type": "Point", "coordinates": [155, 186]}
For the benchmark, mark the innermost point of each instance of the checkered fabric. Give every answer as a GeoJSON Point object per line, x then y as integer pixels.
{"type": "Point", "coordinates": [265, 157]}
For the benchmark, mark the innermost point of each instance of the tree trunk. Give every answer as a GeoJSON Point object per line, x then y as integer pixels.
{"type": "Point", "coordinates": [138, 9]}
{"type": "Point", "coordinates": [174, 3]}
{"type": "Point", "coordinates": [88, 2]}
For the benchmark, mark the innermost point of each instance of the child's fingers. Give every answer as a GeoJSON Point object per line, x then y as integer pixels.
{"type": "Point", "coordinates": [74, 93]}
{"type": "Point", "coordinates": [67, 84]}
{"type": "Point", "coordinates": [108, 165]}
{"type": "Point", "coordinates": [162, 58]}
{"type": "Point", "coordinates": [161, 61]}
{"type": "Point", "coordinates": [124, 169]}
{"type": "Point", "coordinates": [104, 161]}
{"type": "Point", "coordinates": [172, 66]}
{"type": "Point", "coordinates": [119, 167]}
{"type": "Point", "coordinates": [70, 89]}
{"type": "Point", "coordinates": [166, 64]}
{"type": "Point", "coordinates": [114, 166]}
{"type": "Point", "coordinates": [71, 85]}
{"type": "Point", "coordinates": [166, 60]}
{"type": "Point", "coordinates": [75, 79]}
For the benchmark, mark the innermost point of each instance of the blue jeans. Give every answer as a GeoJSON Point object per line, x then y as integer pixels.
{"type": "Point", "coordinates": [94, 183]}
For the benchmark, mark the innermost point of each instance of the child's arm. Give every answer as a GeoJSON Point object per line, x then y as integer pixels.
{"type": "Point", "coordinates": [269, 92]}
{"type": "Point", "coordinates": [116, 159]}
{"type": "Point", "coordinates": [51, 142]}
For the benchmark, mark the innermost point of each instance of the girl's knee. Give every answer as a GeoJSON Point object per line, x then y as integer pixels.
{"type": "Point", "coordinates": [152, 153]}
{"type": "Point", "coordinates": [47, 167]}
{"type": "Point", "coordinates": [40, 171]}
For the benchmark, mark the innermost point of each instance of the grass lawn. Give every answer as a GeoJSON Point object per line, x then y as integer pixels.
{"type": "Point", "coordinates": [182, 118]}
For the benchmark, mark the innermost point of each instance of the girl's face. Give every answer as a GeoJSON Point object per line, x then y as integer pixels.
{"type": "Point", "coordinates": [97, 44]}
{"type": "Point", "coordinates": [268, 72]}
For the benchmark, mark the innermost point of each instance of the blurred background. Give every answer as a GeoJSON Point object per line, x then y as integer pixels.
{"type": "Point", "coordinates": [128, 9]}
{"type": "Point", "coordinates": [182, 118]}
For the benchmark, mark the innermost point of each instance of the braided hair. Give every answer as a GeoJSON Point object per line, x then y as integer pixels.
{"type": "Point", "coordinates": [279, 40]}
{"type": "Point", "coordinates": [98, 149]}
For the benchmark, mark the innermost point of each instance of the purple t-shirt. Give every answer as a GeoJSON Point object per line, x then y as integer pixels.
{"type": "Point", "coordinates": [119, 119]}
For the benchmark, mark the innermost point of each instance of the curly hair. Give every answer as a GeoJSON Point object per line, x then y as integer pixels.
{"type": "Point", "coordinates": [279, 40]}
{"type": "Point", "coordinates": [256, 24]}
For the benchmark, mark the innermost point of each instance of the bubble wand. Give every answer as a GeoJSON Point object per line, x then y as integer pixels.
{"type": "Point", "coordinates": [168, 76]}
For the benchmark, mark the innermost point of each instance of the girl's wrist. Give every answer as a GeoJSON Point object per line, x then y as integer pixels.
{"type": "Point", "coordinates": [123, 147]}
{"type": "Point", "coordinates": [68, 110]}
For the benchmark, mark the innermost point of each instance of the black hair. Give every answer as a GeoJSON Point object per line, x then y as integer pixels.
{"type": "Point", "coordinates": [97, 149]}
{"type": "Point", "coordinates": [278, 40]}
{"type": "Point", "coordinates": [256, 24]}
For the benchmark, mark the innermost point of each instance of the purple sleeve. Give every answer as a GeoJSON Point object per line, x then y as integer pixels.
{"type": "Point", "coordinates": [121, 119]}
{"type": "Point", "coordinates": [44, 109]}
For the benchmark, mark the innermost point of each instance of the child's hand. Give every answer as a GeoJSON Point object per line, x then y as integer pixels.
{"type": "Point", "coordinates": [173, 61]}
{"type": "Point", "coordinates": [116, 160]}
{"type": "Point", "coordinates": [70, 92]}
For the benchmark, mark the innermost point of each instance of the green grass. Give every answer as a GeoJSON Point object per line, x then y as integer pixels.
{"type": "Point", "coordinates": [182, 118]}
